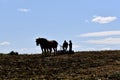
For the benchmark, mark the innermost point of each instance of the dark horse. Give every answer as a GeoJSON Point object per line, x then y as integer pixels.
{"type": "Point", "coordinates": [46, 45]}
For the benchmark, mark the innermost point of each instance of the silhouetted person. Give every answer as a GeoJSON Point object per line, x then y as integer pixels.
{"type": "Point", "coordinates": [65, 45]}
{"type": "Point", "coordinates": [70, 46]}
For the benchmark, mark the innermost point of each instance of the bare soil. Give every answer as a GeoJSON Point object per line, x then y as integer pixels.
{"type": "Point", "coordinates": [91, 65]}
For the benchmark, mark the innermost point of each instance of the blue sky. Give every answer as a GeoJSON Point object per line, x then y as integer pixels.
{"type": "Point", "coordinates": [90, 24]}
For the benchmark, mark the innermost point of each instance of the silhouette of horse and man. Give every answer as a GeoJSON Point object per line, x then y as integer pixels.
{"type": "Point", "coordinates": [48, 45]}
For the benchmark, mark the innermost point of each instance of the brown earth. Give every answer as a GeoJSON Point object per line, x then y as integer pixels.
{"type": "Point", "coordinates": [91, 65]}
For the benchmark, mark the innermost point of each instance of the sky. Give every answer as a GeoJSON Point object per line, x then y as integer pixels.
{"type": "Point", "coordinates": [90, 24]}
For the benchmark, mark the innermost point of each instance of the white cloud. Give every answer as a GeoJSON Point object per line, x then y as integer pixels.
{"type": "Point", "coordinates": [4, 43]}
{"type": "Point", "coordinates": [105, 41]}
{"type": "Point", "coordinates": [100, 34]}
{"type": "Point", "coordinates": [96, 49]}
{"type": "Point", "coordinates": [76, 46]}
{"type": "Point", "coordinates": [103, 20]}
{"type": "Point", "coordinates": [24, 10]}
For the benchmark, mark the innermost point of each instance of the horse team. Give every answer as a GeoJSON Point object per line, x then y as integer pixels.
{"type": "Point", "coordinates": [48, 45]}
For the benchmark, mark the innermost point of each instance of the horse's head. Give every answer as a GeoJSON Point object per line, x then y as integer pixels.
{"type": "Point", "coordinates": [41, 41]}
{"type": "Point", "coordinates": [37, 41]}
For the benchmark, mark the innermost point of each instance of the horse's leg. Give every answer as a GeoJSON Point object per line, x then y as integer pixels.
{"type": "Point", "coordinates": [47, 51]}
{"type": "Point", "coordinates": [42, 50]}
{"type": "Point", "coordinates": [54, 50]}
{"type": "Point", "coordinates": [50, 50]}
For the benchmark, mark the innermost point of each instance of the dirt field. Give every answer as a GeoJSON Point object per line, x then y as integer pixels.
{"type": "Point", "coordinates": [91, 65]}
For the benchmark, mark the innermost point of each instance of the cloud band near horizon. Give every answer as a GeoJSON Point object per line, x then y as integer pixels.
{"type": "Point", "coordinates": [100, 34]}
{"type": "Point", "coordinates": [105, 41]}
